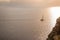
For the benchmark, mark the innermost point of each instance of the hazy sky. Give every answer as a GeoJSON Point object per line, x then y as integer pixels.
{"type": "Point", "coordinates": [35, 3]}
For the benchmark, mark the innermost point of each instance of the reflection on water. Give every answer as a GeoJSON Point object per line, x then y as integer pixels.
{"type": "Point", "coordinates": [55, 13]}
{"type": "Point", "coordinates": [18, 23]}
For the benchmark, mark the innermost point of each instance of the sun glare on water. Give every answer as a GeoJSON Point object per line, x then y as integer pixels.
{"type": "Point", "coordinates": [55, 13]}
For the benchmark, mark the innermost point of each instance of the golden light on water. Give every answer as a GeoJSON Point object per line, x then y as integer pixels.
{"type": "Point", "coordinates": [55, 13]}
